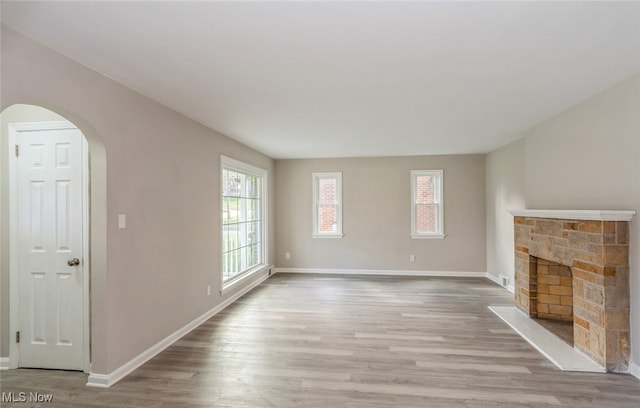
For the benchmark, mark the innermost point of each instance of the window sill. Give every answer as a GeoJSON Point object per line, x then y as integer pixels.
{"type": "Point", "coordinates": [428, 236]}
{"type": "Point", "coordinates": [235, 283]}
{"type": "Point", "coordinates": [327, 235]}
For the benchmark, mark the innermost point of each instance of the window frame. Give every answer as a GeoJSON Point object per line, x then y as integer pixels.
{"type": "Point", "coordinates": [439, 177]}
{"type": "Point", "coordinates": [228, 163]}
{"type": "Point", "coordinates": [316, 177]}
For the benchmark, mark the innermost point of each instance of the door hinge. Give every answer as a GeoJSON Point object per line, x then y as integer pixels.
{"type": "Point", "coordinates": [17, 337]}
{"type": "Point", "coordinates": [17, 150]}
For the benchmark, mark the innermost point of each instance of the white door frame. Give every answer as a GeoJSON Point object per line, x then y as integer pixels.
{"type": "Point", "coordinates": [14, 275]}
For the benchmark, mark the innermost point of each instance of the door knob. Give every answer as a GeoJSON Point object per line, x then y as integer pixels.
{"type": "Point", "coordinates": [73, 262]}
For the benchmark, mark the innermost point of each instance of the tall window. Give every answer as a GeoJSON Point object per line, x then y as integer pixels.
{"type": "Point", "coordinates": [427, 216]}
{"type": "Point", "coordinates": [327, 205]}
{"type": "Point", "coordinates": [243, 218]}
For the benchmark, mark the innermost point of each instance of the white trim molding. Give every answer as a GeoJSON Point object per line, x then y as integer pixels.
{"type": "Point", "coordinates": [594, 215]}
{"type": "Point", "coordinates": [4, 363]}
{"type": "Point", "coordinates": [429, 236]}
{"type": "Point", "coordinates": [496, 280]}
{"type": "Point", "coordinates": [322, 236]}
{"type": "Point", "coordinates": [383, 272]}
{"type": "Point", "coordinates": [230, 164]}
{"type": "Point", "coordinates": [336, 176]}
{"type": "Point", "coordinates": [438, 177]}
{"type": "Point", "coordinates": [242, 280]}
{"type": "Point", "coordinates": [107, 380]}
{"type": "Point", "coordinates": [634, 369]}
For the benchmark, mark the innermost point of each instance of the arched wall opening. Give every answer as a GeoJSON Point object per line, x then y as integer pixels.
{"type": "Point", "coordinates": [97, 225]}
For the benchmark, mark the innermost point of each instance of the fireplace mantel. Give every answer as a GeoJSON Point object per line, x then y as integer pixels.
{"type": "Point", "coordinates": [595, 215]}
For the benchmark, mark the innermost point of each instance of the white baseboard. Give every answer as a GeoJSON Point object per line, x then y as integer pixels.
{"type": "Point", "coordinates": [4, 363]}
{"type": "Point", "coordinates": [385, 272]}
{"type": "Point", "coordinates": [634, 369]}
{"type": "Point", "coordinates": [496, 280]}
{"type": "Point", "coordinates": [107, 380]}
{"type": "Point", "coordinates": [104, 380]}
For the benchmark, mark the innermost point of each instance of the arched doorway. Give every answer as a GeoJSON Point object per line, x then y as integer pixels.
{"type": "Point", "coordinates": [41, 296]}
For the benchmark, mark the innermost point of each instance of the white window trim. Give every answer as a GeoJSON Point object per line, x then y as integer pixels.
{"type": "Point", "coordinates": [337, 175]}
{"type": "Point", "coordinates": [439, 234]}
{"type": "Point", "coordinates": [237, 165]}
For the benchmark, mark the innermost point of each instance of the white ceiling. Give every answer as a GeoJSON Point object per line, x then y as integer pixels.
{"type": "Point", "coordinates": [342, 79]}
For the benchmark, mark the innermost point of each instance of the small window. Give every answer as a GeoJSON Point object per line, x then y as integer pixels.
{"type": "Point", "coordinates": [427, 218]}
{"type": "Point", "coordinates": [243, 218]}
{"type": "Point", "coordinates": [327, 205]}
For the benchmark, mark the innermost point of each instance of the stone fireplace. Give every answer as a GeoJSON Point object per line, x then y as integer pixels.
{"type": "Point", "coordinates": [574, 266]}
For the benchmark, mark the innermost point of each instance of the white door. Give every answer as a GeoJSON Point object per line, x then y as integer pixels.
{"type": "Point", "coordinates": [50, 246]}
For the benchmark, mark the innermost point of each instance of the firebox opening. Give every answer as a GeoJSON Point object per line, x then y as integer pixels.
{"type": "Point", "coordinates": [554, 303]}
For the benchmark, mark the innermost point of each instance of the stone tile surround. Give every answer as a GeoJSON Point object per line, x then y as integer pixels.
{"type": "Point", "coordinates": [597, 251]}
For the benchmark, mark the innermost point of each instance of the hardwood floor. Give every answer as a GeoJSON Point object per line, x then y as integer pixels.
{"type": "Point", "coordinates": [347, 341]}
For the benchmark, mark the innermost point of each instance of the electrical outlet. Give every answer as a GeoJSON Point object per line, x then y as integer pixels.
{"type": "Point", "coordinates": [287, 255]}
{"type": "Point", "coordinates": [412, 258]}
{"type": "Point", "coordinates": [208, 290]}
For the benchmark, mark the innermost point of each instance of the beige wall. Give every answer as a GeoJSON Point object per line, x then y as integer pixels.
{"type": "Point", "coordinates": [505, 191]}
{"type": "Point", "coordinates": [162, 171]}
{"type": "Point", "coordinates": [376, 215]}
{"type": "Point", "coordinates": [585, 158]}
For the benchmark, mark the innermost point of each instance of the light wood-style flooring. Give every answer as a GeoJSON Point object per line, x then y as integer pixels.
{"type": "Point", "coordinates": [347, 341]}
